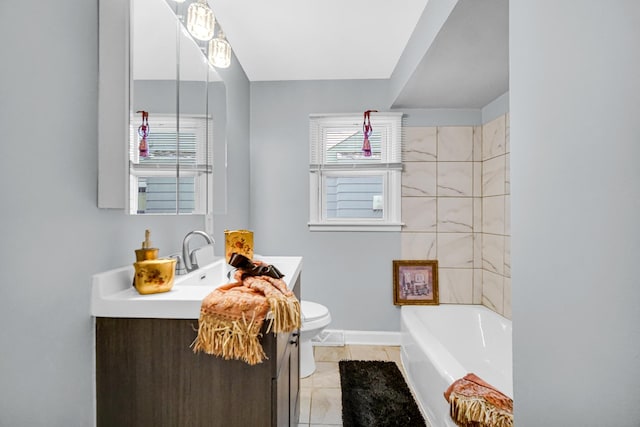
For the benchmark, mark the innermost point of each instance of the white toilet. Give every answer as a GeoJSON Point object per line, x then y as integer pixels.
{"type": "Point", "coordinates": [315, 317]}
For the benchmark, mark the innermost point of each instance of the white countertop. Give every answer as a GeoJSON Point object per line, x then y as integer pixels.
{"type": "Point", "coordinates": [112, 293]}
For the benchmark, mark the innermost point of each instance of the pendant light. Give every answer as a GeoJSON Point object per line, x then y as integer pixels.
{"type": "Point", "coordinates": [220, 51]}
{"type": "Point", "coordinates": [200, 20]}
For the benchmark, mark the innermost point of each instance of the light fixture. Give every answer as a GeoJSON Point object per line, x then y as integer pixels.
{"type": "Point", "coordinates": [220, 51]}
{"type": "Point", "coordinates": [200, 20]}
{"type": "Point", "coordinates": [178, 1]}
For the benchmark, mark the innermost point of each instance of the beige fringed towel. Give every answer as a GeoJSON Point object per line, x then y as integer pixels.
{"type": "Point", "coordinates": [475, 403]}
{"type": "Point", "coordinates": [232, 315]}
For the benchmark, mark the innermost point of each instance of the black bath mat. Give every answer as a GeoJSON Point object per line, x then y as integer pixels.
{"type": "Point", "coordinates": [374, 394]}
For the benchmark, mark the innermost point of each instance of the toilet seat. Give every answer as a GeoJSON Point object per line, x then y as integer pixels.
{"type": "Point", "coordinates": [312, 310]}
{"type": "Point", "coordinates": [314, 315]}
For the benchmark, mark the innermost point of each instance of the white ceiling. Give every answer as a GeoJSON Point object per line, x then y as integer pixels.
{"type": "Point", "coordinates": [318, 39]}
{"type": "Point", "coordinates": [464, 65]}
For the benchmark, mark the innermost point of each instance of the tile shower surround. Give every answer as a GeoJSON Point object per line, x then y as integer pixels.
{"type": "Point", "coordinates": [456, 209]}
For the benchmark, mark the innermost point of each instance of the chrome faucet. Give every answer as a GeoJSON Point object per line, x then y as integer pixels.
{"type": "Point", "coordinates": [189, 260]}
{"type": "Point", "coordinates": [180, 268]}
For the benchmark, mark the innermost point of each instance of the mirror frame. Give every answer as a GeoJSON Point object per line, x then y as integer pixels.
{"type": "Point", "coordinates": [113, 105]}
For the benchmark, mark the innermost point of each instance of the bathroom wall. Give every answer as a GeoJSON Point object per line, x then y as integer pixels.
{"type": "Point", "coordinates": [53, 237]}
{"type": "Point", "coordinates": [441, 206]}
{"type": "Point", "coordinates": [575, 180]}
{"type": "Point", "coordinates": [496, 216]}
{"type": "Point", "coordinates": [349, 272]}
{"type": "Point", "coordinates": [455, 206]}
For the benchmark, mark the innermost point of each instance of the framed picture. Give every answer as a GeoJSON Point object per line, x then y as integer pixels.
{"type": "Point", "coordinates": [415, 282]}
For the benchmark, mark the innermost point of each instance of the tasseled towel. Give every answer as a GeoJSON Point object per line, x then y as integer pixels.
{"type": "Point", "coordinates": [232, 315]}
{"type": "Point", "coordinates": [474, 403]}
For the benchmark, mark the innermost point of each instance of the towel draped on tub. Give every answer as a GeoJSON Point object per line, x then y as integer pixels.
{"type": "Point", "coordinates": [475, 403]}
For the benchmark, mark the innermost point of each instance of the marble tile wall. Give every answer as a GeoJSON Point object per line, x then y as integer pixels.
{"type": "Point", "coordinates": [455, 206]}
{"type": "Point", "coordinates": [496, 213]}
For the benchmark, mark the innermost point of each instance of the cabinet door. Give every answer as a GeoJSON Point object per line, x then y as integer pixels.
{"type": "Point", "coordinates": [282, 396]}
{"type": "Point", "coordinates": [294, 379]}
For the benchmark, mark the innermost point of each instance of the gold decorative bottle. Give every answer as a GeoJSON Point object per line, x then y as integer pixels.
{"type": "Point", "coordinates": [238, 241]}
{"type": "Point", "coordinates": [152, 275]}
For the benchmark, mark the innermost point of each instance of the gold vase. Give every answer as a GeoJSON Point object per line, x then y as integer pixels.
{"type": "Point", "coordinates": [154, 276]}
{"type": "Point", "coordinates": [238, 241]}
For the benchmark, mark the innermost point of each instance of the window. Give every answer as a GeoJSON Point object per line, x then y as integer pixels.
{"type": "Point", "coordinates": [349, 191]}
{"type": "Point", "coordinates": [172, 178]}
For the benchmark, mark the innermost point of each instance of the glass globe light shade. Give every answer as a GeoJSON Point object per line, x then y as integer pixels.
{"type": "Point", "coordinates": [220, 51]}
{"type": "Point", "coordinates": [200, 20]}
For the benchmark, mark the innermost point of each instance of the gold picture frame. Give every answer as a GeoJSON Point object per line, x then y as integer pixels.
{"type": "Point", "coordinates": [415, 282]}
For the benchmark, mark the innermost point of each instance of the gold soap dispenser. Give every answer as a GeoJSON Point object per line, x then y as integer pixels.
{"type": "Point", "coordinates": [146, 252]}
{"type": "Point", "coordinates": [152, 275]}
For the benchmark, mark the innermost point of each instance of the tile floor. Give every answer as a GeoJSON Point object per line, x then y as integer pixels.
{"type": "Point", "coordinates": [320, 396]}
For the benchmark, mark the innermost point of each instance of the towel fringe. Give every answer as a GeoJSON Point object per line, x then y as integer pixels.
{"type": "Point", "coordinates": [472, 411]}
{"type": "Point", "coordinates": [229, 339]}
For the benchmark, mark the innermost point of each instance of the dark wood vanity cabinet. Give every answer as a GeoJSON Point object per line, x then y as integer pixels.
{"type": "Point", "coordinates": [147, 375]}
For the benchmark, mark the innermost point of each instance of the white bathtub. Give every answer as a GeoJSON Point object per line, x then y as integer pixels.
{"type": "Point", "coordinates": [443, 343]}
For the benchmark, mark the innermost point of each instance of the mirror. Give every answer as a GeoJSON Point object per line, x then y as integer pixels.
{"type": "Point", "coordinates": [177, 115]}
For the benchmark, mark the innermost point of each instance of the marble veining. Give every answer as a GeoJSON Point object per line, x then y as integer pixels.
{"type": "Point", "coordinates": [507, 256]}
{"type": "Point", "coordinates": [455, 214]}
{"type": "Point", "coordinates": [507, 174]}
{"type": "Point", "coordinates": [492, 291]}
{"type": "Point", "coordinates": [477, 179]}
{"type": "Point", "coordinates": [420, 144]}
{"type": "Point", "coordinates": [493, 176]}
{"type": "Point", "coordinates": [477, 250]}
{"type": "Point", "coordinates": [455, 143]}
{"type": "Point", "coordinates": [418, 245]}
{"type": "Point", "coordinates": [477, 143]}
{"type": "Point", "coordinates": [457, 183]}
{"type": "Point", "coordinates": [419, 213]}
{"type": "Point", "coordinates": [477, 286]}
{"type": "Point", "coordinates": [455, 178]}
{"type": "Point", "coordinates": [493, 253]}
{"type": "Point", "coordinates": [455, 250]}
{"type": "Point", "coordinates": [506, 309]}
{"type": "Point", "coordinates": [477, 214]}
{"type": "Point", "coordinates": [419, 179]}
{"type": "Point", "coordinates": [494, 138]}
{"type": "Point", "coordinates": [493, 215]}
{"type": "Point", "coordinates": [455, 286]}
{"type": "Point", "coordinates": [507, 215]}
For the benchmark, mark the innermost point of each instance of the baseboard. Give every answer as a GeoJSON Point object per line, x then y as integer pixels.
{"type": "Point", "coordinates": [340, 337]}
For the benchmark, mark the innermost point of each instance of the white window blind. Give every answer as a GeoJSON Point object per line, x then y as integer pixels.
{"type": "Point", "coordinates": [173, 177]}
{"type": "Point", "coordinates": [348, 190]}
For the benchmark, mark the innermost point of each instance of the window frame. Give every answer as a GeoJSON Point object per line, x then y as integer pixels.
{"type": "Point", "coordinates": [389, 167]}
{"type": "Point", "coordinates": [202, 127]}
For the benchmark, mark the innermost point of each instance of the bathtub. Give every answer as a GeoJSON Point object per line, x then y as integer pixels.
{"type": "Point", "coordinates": [440, 344]}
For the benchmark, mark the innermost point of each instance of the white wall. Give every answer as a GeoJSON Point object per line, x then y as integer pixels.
{"type": "Point", "coordinates": [575, 150]}
{"type": "Point", "coordinates": [53, 237]}
{"type": "Point", "coordinates": [349, 272]}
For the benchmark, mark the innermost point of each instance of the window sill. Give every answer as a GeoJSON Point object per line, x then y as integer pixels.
{"type": "Point", "coordinates": [355, 227]}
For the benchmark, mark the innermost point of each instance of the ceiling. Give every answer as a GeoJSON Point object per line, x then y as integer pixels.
{"type": "Point", "coordinates": [465, 65]}
{"type": "Point", "coordinates": [318, 39]}
{"type": "Point", "coordinates": [437, 53]}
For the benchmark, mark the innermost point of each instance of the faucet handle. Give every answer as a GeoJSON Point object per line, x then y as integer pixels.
{"type": "Point", "coordinates": [180, 267]}
{"type": "Point", "coordinates": [194, 260]}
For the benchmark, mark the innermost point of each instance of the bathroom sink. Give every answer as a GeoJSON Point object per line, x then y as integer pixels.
{"type": "Point", "coordinates": [215, 272]}
{"type": "Point", "coordinates": [113, 295]}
